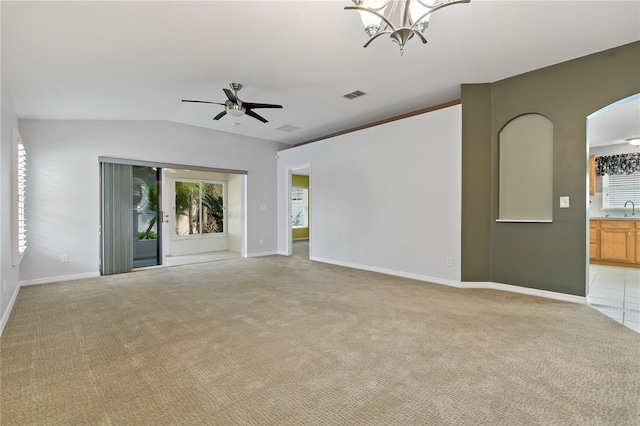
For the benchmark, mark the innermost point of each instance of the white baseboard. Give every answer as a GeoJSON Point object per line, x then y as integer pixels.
{"type": "Point", "coordinates": [526, 290]}
{"type": "Point", "coordinates": [462, 284]}
{"type": "Point", "coordinates": [403, 274]}
{"type": "Point", "coordinates": [265, 253]}
{"type": "Point", "coordinates": [49, 280]}
{"type": "Point", "coordinates": [5, 317]}
{"type": "Point", "coordinates": [300, 239]}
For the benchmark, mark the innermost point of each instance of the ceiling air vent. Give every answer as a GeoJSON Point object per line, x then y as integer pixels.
{"type": "Point", "coordinates": [288, 128]}
{"type": "Point", "coordinates": [354, 95]}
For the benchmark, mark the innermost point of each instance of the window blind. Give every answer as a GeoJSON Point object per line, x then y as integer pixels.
{"type": "Point", "coordinates": [622, 188]}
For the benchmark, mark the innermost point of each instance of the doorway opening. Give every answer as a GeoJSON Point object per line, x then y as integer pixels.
{"type": "Point", "coordinates": [299, 217]}
{"type": "Point", "coordinates": [204, 216]}
{"type": "Point", "coordinates": [613, 274]}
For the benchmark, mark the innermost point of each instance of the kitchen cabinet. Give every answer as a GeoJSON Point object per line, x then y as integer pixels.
{"type": "Point", "coordinates": [617, 241]}
{"type": "Point", "coordinates": [637, 238]}
{"type": "Point", "coordinates": [593, 240]}
{"type": "Point", "coordinates": [614, 241]}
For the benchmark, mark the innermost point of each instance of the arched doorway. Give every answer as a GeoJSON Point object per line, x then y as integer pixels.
{"type": "Point", "coordinates": [613, 285]}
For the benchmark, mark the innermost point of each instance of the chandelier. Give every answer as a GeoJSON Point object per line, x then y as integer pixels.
{"type": "Point", "coordinates": [401, 19]}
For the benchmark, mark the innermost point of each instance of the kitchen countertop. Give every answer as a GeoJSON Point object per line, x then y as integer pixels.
{"type": "Point", "coordinates": [616, 218]}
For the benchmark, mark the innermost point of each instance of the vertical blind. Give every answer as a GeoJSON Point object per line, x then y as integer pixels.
{"type": "Point", "coordinates": [117, 218]}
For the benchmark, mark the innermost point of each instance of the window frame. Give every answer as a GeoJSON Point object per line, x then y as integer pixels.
{"type": "Point", "coordinates": [224, 209]}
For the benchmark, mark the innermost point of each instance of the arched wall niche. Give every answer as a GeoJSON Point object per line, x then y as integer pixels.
{"type": "Point", "coordinates": [526, 170]}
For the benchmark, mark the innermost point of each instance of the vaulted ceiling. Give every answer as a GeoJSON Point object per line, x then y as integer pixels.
{"type": "Point", "coordinates": [136, 60]}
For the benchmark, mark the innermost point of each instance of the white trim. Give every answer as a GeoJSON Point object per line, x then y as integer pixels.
{"type": "Point", "coordinates": [524, 220]}
{"type": "Point", "coordinates": [403, 274]}
{"type": "Point", "coordinates": [5, 317]}
{"type": "Point", "coordinates": [49, 280]}
{"type": "Point", "coordinates": [302, 238]}
{"type": "Point", "coordinates": [264, 253]}
{"type": "Point", "coordinates": [462, 284]}
{"type": "Point", "coordinates": [528, 291]}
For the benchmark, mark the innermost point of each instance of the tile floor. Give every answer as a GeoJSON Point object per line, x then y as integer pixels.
{"type": "Point", "coordinates": [615, 291]}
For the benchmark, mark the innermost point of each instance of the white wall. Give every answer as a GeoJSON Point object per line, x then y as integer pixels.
{"type": "Point", "coordinates": [623, 148]}
{"type": "Point", "coordinates": [394, 190]}
{"type": "Point", "coordinates": [63, 210]}
{"type": "Point", "coordinates": [9, 274]}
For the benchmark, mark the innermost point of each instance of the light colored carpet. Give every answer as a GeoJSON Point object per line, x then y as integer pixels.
{"type": "Point", "coordinates": [287, 341]}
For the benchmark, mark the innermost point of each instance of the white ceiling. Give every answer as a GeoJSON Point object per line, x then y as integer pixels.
{"type": "Point", "coordinates": [136, 60]}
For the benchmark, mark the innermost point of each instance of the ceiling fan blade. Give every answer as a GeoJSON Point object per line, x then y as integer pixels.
{"type": "Point", "coordinates": [254, 115]}
{"type": "Point", "coordinates": [230, 95]}
{"type": "Point", "coordinates": [254, 105]}
{"type": "Point", "coordinates": [219, 116]}
{"type": "Point", "coordinates": [202, 102]}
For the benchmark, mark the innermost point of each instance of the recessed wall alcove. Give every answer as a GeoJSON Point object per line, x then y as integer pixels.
{"type": "Point", "coordinates": [526, 170]}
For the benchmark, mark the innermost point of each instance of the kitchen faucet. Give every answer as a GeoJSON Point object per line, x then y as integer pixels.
{"type": "Point", "coordinates": [633, 208]}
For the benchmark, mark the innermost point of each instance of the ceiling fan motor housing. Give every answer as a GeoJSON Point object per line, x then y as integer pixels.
{"type": "Point", "coordinates": [235, 109]}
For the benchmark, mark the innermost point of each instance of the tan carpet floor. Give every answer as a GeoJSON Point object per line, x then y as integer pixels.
{"type": "Point", "coordinates": [287, 341]}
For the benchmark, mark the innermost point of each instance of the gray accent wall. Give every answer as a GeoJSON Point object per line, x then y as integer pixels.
{"type": "Point", "coordinates": [545, 256]}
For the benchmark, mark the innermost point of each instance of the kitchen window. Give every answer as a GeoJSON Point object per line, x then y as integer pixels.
{"type": "Point", "coordinates": [619, 189]}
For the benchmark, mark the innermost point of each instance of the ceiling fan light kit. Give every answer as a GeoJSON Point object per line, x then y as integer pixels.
{"type": "Point", "coordinates": [400, 19]}
{"type": "Point", "coordinates": [235, 107]}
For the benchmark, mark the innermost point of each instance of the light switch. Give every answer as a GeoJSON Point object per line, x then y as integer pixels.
{"type": "Point", "coordinates": [564, 202]}
{"type": "Point", "coordinates": [263, 206]}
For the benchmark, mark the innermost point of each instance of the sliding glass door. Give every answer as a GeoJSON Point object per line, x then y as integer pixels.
{"type": "Point", "coordinates": [130, 233]}
{"type": "Point", "coordinates": [145, 216]}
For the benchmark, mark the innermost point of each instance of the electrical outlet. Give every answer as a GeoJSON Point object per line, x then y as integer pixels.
{"type": "Point", "coordinates": [64, 258]}
{"type": "Point", "coordinates": [346, 248]}
{"type": "Point", "coordinates": [261, 241]}
{"type": "Point", "coordinates": [448, 261]}
{"type": "Point", "coordinates": [364, 249]}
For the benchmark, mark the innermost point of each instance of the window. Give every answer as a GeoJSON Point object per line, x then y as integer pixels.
{"type": "Point", "coordinates": [618, 189]}
{"type": "Point", "coordinates": [200, 207]}
{"type": "Point", "coordinates": [18, 197]}
{"type": "Point", "coordinates": [299, 207]}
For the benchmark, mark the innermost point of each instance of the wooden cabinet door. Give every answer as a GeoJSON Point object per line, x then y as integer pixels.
{"type": "Point", "coordinates": [593, 240]}
{"type": "Point", "coordinates": [637, 235]}
{"type": "Point", "coordinates": [618, 244]}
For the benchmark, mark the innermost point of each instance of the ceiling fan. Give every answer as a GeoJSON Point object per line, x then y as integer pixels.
{"type": "Point", "coordinates": [234, 106]}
